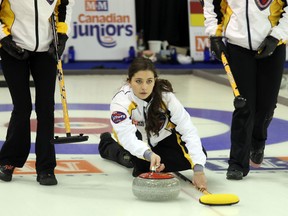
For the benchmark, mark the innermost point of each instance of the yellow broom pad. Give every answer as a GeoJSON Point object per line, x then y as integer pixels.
{"type": "Point", "coordinates": [219, 199]}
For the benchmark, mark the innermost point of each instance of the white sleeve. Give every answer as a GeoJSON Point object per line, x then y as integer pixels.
{"type": "Point", "coordinates": [212, 22]}
{"type": "Point", "coordinates": [184, 126]}
{"type": "Point", "coordinates": [126, 131]}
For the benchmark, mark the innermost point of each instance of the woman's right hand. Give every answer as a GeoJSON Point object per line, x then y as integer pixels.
{"type": "Point", "coordinates": [156, 162]}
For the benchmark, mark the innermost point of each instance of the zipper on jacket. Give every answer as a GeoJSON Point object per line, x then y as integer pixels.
{"type": "Point", "coordinates": [36, 25]}
{"type": "Point", "coordinates": [248, 26]}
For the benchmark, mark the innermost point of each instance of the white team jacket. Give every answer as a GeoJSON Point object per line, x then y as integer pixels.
{"type": "Point", "coordinates": [127, 116]}
{"type": "Point", "coordinates": [246, 23]}
{"type": "Point", "coordinates": [27, 21]}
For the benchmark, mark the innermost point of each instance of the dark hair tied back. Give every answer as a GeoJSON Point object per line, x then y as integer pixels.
{"type": "Point", "coordinates": [157, 107]}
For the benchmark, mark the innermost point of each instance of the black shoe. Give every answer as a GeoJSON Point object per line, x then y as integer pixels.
{"type": "Point", "coordinates": [6, 172]}
{"type": "Point", "coordinates": [234, 175]}
{"type": "Point", "coordinates": [105, 135]}
{"type": "Point", "coordinates": [47, 179]}
{"type": "Point", "coordinates": [125, 159]}
{"type": "Point", "coordinates": [256, 157]}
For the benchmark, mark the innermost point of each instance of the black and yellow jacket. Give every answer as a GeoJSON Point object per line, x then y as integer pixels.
{"type": "Point", "coordinates": [246, 22]}
{"type": "Point", "coordinates": [28, 20]}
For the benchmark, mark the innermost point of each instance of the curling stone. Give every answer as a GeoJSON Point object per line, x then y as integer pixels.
{"type": "Point", "coordinates": [152, 186]}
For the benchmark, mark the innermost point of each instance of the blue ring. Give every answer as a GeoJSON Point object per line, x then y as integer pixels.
{"type": "Point", "coordinates": [276, 131]}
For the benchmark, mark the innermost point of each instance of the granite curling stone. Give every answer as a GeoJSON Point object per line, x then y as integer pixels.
{"type": "Point", "coordinates": [152, 186]}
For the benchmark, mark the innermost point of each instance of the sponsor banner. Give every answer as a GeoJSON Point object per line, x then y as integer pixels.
{"type": "Point", "coordinates": [102, 29]}
{"type": "Point", "coordinates": [196, 13]}
{"type": "Point", "coordinates": [198, 39]}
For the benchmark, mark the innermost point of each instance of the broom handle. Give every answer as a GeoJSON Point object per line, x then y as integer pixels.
{"type": "Point", "coordinates": [230, 75]}
{"type": "Point", "coordinates": [61, 79]}
{"type": "Point", "coordinates": [203, 190]}
{"type": "Point", "coordinates": [227, 69]}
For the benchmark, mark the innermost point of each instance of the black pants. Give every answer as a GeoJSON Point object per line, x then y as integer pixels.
{"type": "Point", "coordinates": [258, 82]}
{"type": "Point", "coordinates": [168, 149]}
{"type": "Point", "coordinates": [16, 148]}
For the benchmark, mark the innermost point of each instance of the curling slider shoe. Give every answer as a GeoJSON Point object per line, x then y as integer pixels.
{"type": "Point", "coordinates": [69, 139]}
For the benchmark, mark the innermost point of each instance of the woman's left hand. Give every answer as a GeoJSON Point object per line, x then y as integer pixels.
{"type": "Point", "coordinates": [199, 180]}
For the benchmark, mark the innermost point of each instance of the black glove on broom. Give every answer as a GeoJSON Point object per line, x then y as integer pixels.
{"type": "Point", "coordinates": [62, 38]}
{"type": "Point", "coordinates": [12, 49]}
{"type": "Point", "coordinates": [218, 47]}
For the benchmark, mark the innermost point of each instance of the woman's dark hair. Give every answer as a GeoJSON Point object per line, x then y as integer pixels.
{"type": "Point", "coordinates": [157, 107]}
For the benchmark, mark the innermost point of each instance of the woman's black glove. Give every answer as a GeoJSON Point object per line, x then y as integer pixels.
{"type": "Point", "coordinates": [12, 49]}
{"type": "Point", "coordinates": [218, 47]}
{"type": "Point", "coordinates": [267, 47]}
{"type": "Point", "coordinates": [62, 38]}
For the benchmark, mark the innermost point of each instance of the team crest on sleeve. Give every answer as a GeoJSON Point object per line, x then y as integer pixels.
{"type": "Point", "coordinates": [50, 1]}
{"type": "Point", "coordinates": [263, 4]}
{"type": "Point", "coordinates": [117, 117]}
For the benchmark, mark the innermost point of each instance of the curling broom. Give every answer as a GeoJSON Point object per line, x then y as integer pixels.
{"type": "Point", "coordinates": [239, 101]}
{"type": "Point", "coordinates": [69, 138]}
